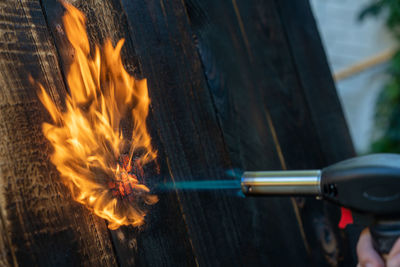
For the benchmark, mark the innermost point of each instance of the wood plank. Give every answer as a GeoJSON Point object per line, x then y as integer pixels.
{"type": "Point", "coordinates": [202, 228]}
{"type": "Point", "coordinates": [163, 240]}
{"type": "Point", "coordinates": [315, 79]}
{"type": "Point", "coordinates": [40, 223]}
{"type": "Point", "coordinates": [319, 90]}
{"type": "Point", "coordinates": [225, 230]}
{"type": "Point", "coordinates": [259, 97]}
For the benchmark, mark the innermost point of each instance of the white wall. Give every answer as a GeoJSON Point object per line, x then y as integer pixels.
{"type": "Point", "coordinates": [348, 41]}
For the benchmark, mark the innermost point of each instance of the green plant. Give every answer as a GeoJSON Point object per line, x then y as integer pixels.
{"type": "Point", "coordinates": [387, 116]}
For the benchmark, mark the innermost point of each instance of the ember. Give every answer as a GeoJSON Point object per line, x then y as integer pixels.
{"type": "Point", "coordinates": [126, 180]}
{"type": "Point", "coordinates": [102, 169]}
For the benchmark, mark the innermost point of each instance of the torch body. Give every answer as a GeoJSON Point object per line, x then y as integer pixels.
{"type": "Point", "coordinates": [368, 185]}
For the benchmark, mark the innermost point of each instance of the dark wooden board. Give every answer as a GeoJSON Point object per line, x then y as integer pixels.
{"type": "Point", "coordinates": [225, 229]}
{"type": "Point", "coordinates": [41, 225]}
{"type": "Point", "coordinates": [316, 80]}
{"type": "Point", "coordinates": [163, 240]}
{"type": "Point", "coordinates": [319, 90]}
{"type": "Point", "coordinates": [231, 87]}
{"type": "Point", "coordinates": [264, 95]}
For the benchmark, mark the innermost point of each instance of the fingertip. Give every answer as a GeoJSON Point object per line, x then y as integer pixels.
{"type": "Point", "coordinates": [364, 243]}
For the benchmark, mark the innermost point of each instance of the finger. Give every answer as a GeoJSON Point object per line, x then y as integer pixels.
{"type": "Point", "coordinates": [367, 256]}
{"type": "Point", "coordinates": [393, 259]}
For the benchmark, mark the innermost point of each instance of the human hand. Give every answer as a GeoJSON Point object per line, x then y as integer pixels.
{"type": "Point", "coordinates": [368, 257]}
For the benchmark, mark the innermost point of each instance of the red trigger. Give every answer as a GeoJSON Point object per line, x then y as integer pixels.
{"type": "Point", "coordinates": [346, 218]}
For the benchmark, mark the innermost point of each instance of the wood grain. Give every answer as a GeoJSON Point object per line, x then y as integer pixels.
{"type": "Point", "coordinates": [225, 230]}
{"type": "Point", "coordinates": [40, 223]}
{"type": "Point", "coordinates": [232, 86]}
{"type": "Point", "coordinates": [262, 95]}
{"type": "Point", "coordinates": [163, 240]}
{"type": "Point", "coordinates": [315, 79]}
{"type": "Point", "coordinates": [323, 103]}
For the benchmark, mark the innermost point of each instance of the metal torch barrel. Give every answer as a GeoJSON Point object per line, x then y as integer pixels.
{"type": "Point", "coordinates": [304, 182]}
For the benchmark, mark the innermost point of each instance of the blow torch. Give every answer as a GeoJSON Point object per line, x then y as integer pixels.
{"type": "Point", "coordinates": [369, 186]}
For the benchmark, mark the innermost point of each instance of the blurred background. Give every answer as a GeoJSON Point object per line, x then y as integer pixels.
{"type": "Point", "coordinates": [361, 42]}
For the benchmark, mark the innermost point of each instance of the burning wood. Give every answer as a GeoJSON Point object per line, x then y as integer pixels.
{"type": "Point", "coordinates": [103, 170]}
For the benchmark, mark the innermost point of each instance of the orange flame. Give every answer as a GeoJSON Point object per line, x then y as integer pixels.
{"type": "Point", "coordinates": [87, 137]}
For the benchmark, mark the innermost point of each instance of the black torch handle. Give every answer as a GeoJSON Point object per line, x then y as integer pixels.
{"type": "Point", "coordinates": [384, 235]}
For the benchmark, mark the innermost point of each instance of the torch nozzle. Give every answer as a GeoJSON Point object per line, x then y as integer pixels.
{"type": "Point", "coordinates": [281, 182]}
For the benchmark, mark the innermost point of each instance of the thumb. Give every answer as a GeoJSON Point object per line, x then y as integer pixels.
{"type": "Point", "coordinates": [367, 256]}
